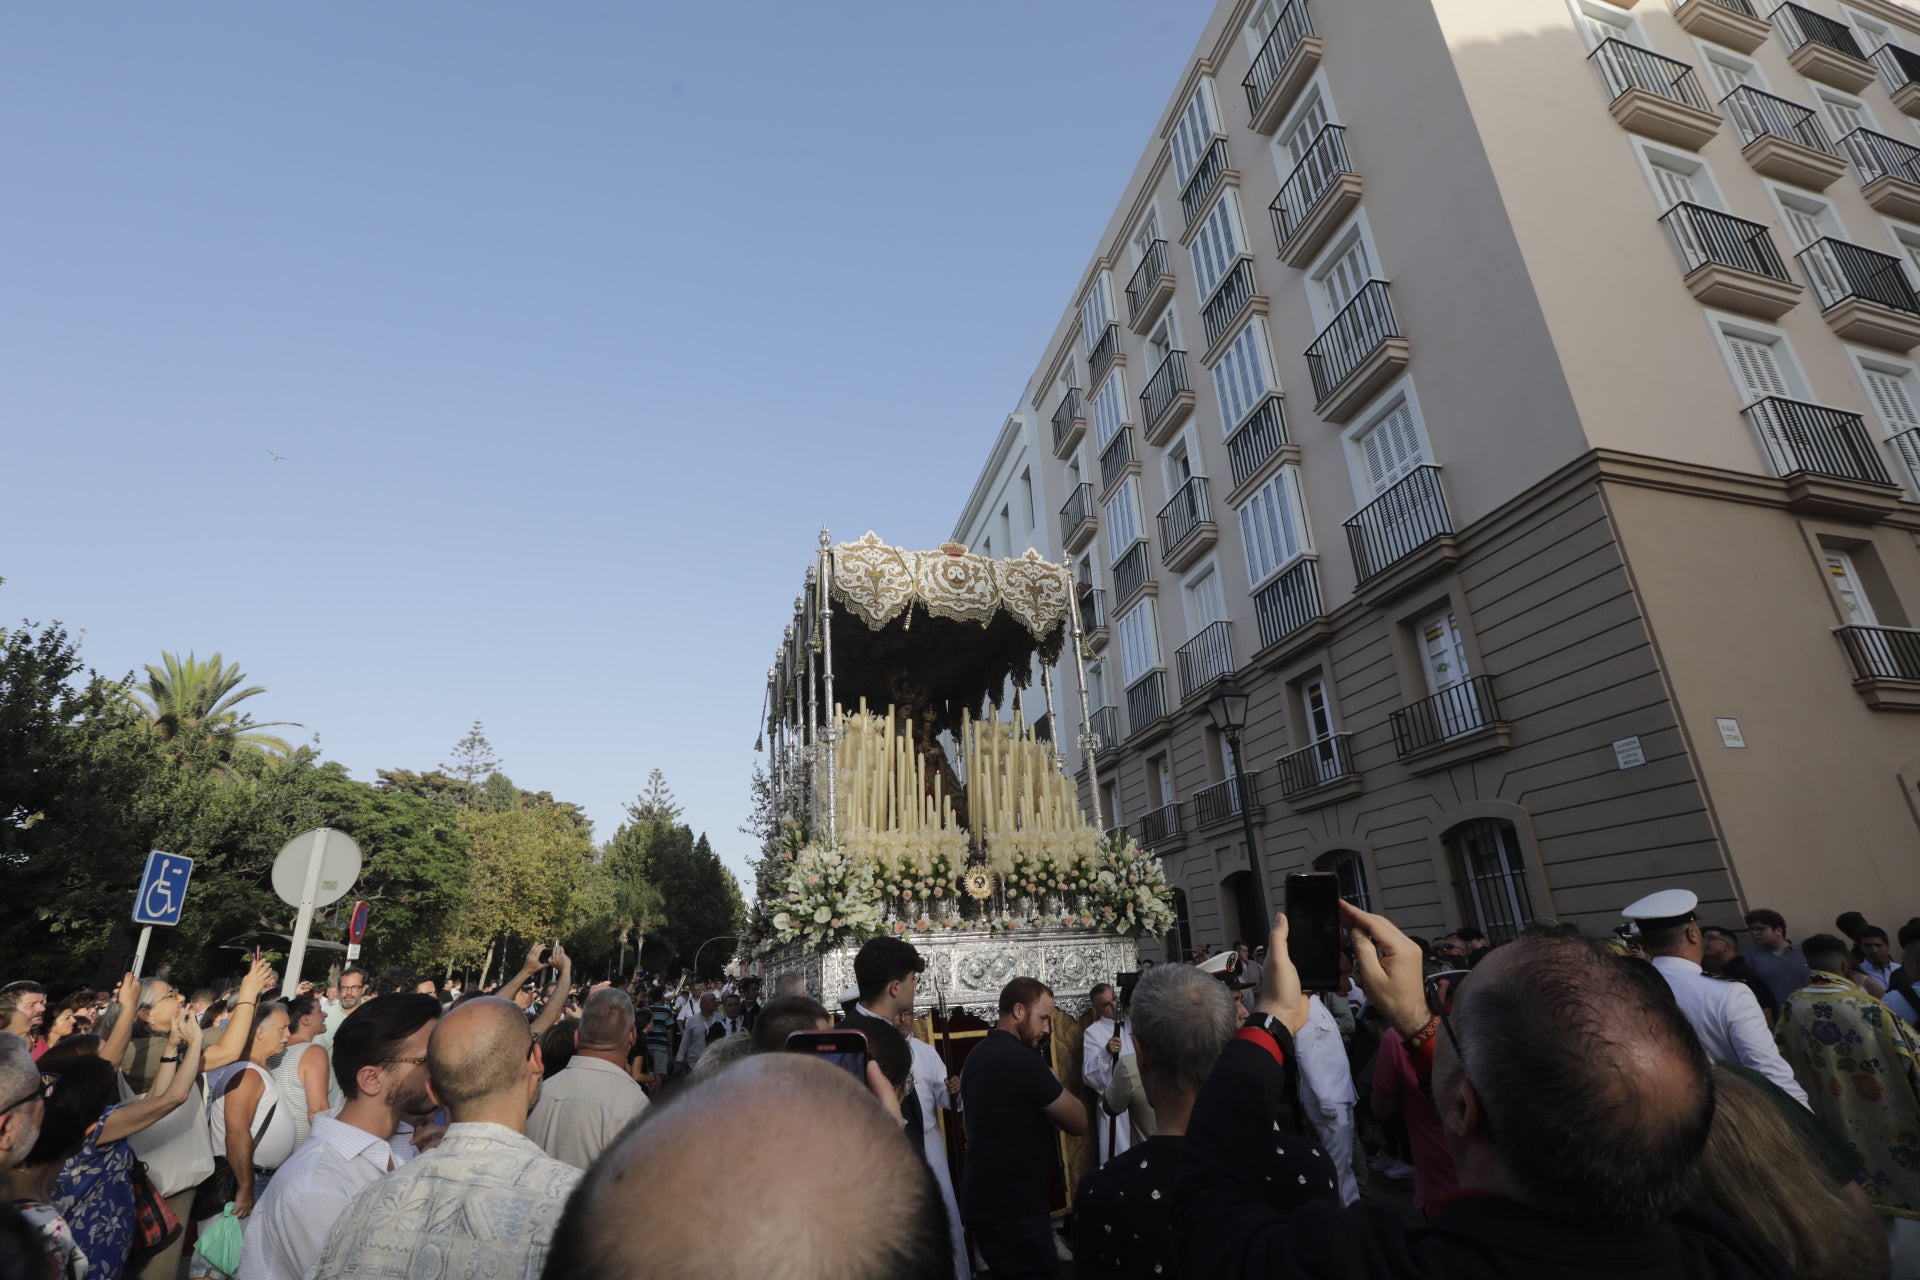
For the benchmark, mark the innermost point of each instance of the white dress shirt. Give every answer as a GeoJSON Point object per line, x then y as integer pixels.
{"type": "Point", "coordinates": [1096, 1072]}
{"type": "Point", "coordinates": [1727, 1018]}
{"type": "Point", "coordinates": [484, 1202]}
{"type": "Point", "coordinates": [583, 1108]}
{"type": "Point", "coordinates": [305, 1198]}
{"type": "Point", "coordinates": [693, 1044]}
{"type": "Point", "coordinates": [1326, 1091]}
{"type": "Point", "coordinates": [1882, 974]}
{"type": "Point", "coordinates": [930, 1084]}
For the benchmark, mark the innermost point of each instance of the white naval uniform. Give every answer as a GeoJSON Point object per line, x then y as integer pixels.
{"type": "Point", "coordinates": [1096, 1072]}
{"type": "Point", "coordinates": [1727, 1018]}
{"type": "Point", "coordinates": [930, 1083]}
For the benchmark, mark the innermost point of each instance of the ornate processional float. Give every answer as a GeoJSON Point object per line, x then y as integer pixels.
{"type": "Point", "coordinates": [912, 803]}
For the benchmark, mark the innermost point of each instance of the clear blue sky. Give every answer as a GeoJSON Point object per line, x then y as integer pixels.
{"type": "Point", "coordinates": [575, 322]}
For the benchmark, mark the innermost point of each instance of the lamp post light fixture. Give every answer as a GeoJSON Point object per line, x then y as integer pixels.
{"type": "Point", "coordinates": [1227, 708]}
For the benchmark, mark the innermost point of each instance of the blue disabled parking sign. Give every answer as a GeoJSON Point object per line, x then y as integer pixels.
{"type": "Point", "coordinates": [163, 889]}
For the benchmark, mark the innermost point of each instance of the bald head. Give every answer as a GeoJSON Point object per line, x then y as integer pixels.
{"type": "Point", "coordinates": [709, 1146]}
{"type": "Point", "coordinates": [479, 1057]}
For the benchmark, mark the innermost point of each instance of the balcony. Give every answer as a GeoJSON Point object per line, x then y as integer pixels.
{"type": "Point", "coordinates": [1906, 449]}
{"type": "Point", "coordinates": [1318, 774]}
{"type": "Point", "coordinates": [1186, 525]}
{"type": "Point", "coordinates": [1889, 172]}
{"type": "Point", "coordinates": [1829, 462]}
{"type": "Point", "coordinates": [1159, 828]}
{"type": "Point", "coordinates": [1864, 295]}
{"type": "Point", "coordinates": [1150, 289]}
{"type": "Point", "coordinates": [1357, 354]}
{"type": "Point", "coordinates": [1821, 49]}
{"type": "Point", "coordinates": [1229, 298]}
{"type": "Point", "coordinates": [1289, 613]}
{"type": "Point", "coordinates": [1204, 659]}
{"type": "Point", "coordinates": [1783, 139]}
{"type": "Point", "coordinates": [1106, 349]}
{"type": "Point", "coordinates": [1093, 614]}
{"type": "Point", "coordinates": [1730, 262]}
{"type": "Point", "coordinates": [1886, 665]}
{"type": "Point", "coordinates": [1069, 423]}
{"type": "Point", "coordinates": [1168, 399]}
{"type": "Point", "coordinates": [1117, 460]}
{"type": "Point", "coordinates": [1104, 724]}
{"type": "Point", "coordinates": [1459, 723]}
{"type": "Point", "coordinates": [1256, 442]}
{"type": "Point", "coordinates": [1282, 68]}
{"type": "Point", "coordinates": [1654, 96]}
{"type": "Point", "coordinates": [1402, 535]}
{"type": "Point", "coordinates": [1079, 518]}
{"type": "Point", "coordinates": [1147, 703]}
{"type": "Point", "coordinates": [1733, 23]}
{"type": "Point", "coordinates": [1130, 574]}
{"type": "Point", "coordinates": [1205, 179]}
{"type": "Point", "coordinates": [1221, 802]}
{"type": "Point", "coordinates": [1316, 197]}
{"type": "Point", "coordinates": [1900, 72]}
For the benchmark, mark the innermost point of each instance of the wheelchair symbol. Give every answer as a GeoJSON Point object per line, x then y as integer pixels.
{"type": "Point", "coordinates": [162, 893]}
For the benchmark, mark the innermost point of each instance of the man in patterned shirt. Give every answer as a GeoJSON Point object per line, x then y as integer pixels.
{"type": "Point", "coordinates": [483, 1204]}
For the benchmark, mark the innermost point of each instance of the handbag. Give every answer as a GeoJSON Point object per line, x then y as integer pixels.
{"type": "Point", "coordinates": [155, 1225]}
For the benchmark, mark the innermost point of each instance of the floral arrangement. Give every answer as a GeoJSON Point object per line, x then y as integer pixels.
{"type": "Point", "coordinates": [831, 897]}
{"type": "Point", "coordinates": [1130, 895]}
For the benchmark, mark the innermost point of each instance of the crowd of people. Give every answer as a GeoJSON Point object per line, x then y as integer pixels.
{"type": "Point", "coordinates": [1660, 1101]}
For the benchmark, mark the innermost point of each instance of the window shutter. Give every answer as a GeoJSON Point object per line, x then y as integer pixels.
{"type": "Point", "coordinates": [1192, 135]}
{"type": "Point", "coordinates": [1892, 399]}
{"type": "Point", "coordinates": [1107, 414]}
{"type": "Point", "coordinates": [1758, 368]}
{"type": "Point", "coordinates": [1206, 602]}
{"type": "Point", "coordinates": [1122, 516]}
{"type": "Point", "coordinates": [1344, 278]}
{"type": "Point", "coordinates": [1676, 187]}
{"type": "Point", "coordinates": [1845, 116]}
{"type": "Point", "coordinates": [1308, 129]}
{"type": "Point", "coordinates": [1391, 449]}
{"type": "Point", "coordinates": [1217, 245]}
{"type": "Point", "coordinates": [1240, 379]}
{"type": "Point", "coordinates": [1095, 313]}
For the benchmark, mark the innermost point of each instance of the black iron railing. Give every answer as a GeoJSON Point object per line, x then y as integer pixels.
{"type": "Point", "coordinates": [1105, 348]}
{"type": "Point", "coordinates": [1756, 115]}
{"type": "Point", "coordinates": [1398, 522]}
{"type": "Point", "coordinates": [1875, 156]}
{"type": "Point", "coordinates": [1064, 417]}
{"type": "Point", "coordinates": [1624, 67]}
{"type": "Point", "coordinates": [1079, 509]}
{"type": "Point", "coordinates": [1115, 457]}
{"type": "Point", "coordinates": [1159, 826]}
{"type": "Point", "coordinates": [1343, 346]}
{"type": "Point", "coordinates": [1312, 767]}
{"type": "Point", "coordinates": [1454, 712]}
{"type": "Point", "coordinates": [1093, 608]}
{"type": "Point", "coordinates": [1882, 653]}
{"type": "Point", "coordinates": [1323, 161]}
{"type": "Point", "coordinates": [1221, 801]}
{"type": "Point", "coordinates": [1231, 294]}
{"type": "Point", "coordinates": [1165, 387]}
{"type": "Point", "coordinates": [1288, 603]}
{"type": "Point", "coordinates": [1146, 700]}
{"type": "Point", "coordinates": [1256, 439]}
{"type": "Point", "coordinates": [1185, 512]}
{"type": "Point", "coordinates": [1906, 448]}
{"type": "Point", "coordinates": [1811, 439]}
{"type": "Point", "coordinates": [1897, 67]}
{"type": "Point", "coordinates": [1104, 724]}
{"type": "Point", "coordinates": [1704, 235]}
{"type": "Point", "coordinates": [1737, 6]}
{"type": "Point", "coordinates": [1204, 180]}
{"type": "Point", "coordinates": [1839, 271]}
{"type": "Point", "coordinates": [1153, 265]}
{"type": "Point", "coordinates": [1264, 76]}
{"type": "Point", "coordinates": [1130, 571]}
{"type": "Point", "coordinates": [1205, 658]}
{"type": "Point", "coordinates": [1798, 26]}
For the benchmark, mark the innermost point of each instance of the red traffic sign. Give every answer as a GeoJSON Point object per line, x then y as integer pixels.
{"type": "Point", "coordinates": [357, 924]}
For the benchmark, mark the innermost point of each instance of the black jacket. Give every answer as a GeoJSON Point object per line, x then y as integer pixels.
{"type": "Point", "coordinates": [1230, 1226]}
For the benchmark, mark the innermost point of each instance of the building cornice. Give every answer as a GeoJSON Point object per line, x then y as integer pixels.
{"type": "Point", "coordinates": [1900, 15]}
{"type": "Point", "coordinates": [989, 481]}
{"type": "Point", "coordinates": [1196, 71]}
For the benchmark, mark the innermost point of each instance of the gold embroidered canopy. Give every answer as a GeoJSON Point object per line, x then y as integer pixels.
{"type": "Point", "coordinates": [878, 583]}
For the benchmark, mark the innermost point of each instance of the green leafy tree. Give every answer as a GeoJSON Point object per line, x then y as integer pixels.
{"type": "Point", "coordinates": [656, 803]}
{"type": "Point", "coordinates": [473, 760]}
{"type": "Point", "coordinates": [525, 864]}
{"type": "Point", "coordinates": [196, 705]}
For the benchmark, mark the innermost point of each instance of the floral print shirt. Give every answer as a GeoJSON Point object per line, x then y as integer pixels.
{"type": "Point", "coordinates": [64, 1259]}
{"type": "Point", "coordinates": [1860, 1066]}
{"type": "Point", "coordinates": [94, 1194]}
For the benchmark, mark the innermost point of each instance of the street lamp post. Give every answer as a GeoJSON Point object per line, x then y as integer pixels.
{"type": "Point", "coordinates": [725, 937]}
{"type": "Point", "coordinates": [1227, 706]}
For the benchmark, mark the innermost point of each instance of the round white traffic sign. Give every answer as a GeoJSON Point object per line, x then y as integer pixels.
{"type": "Point", "coordinates": [339, 866]}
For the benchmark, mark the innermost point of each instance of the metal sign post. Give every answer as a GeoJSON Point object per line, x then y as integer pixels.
{"type": "Point", "coordinates": [356, 930]}
{"type": "Point", "coordinates": [316, 868]}
{"type": "Point", "coordinates": [162, 896]}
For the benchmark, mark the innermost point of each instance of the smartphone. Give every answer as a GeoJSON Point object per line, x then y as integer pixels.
{"type": "Point", "coordinates": [546, 952]}
{"type": "Point", "coordinates": [1313, 928]}
{"type": "Point", "coordinates": [844, 1049]}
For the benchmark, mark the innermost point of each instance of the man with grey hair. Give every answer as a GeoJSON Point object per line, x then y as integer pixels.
{"type": "Point", "coordinates": [1182, 1018]}
{"type": "Point", "coordinates": [590, 1100]}
{"type": "Point", "coordinates": [790, 983]}
{"type": "Point", "coordinates": [23, 1101]}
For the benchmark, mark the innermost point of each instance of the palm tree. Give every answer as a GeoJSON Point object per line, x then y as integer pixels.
{"type": "Point", "coordinates": [192, 702]}
{"type": "Point", "coordinates": [637, 906]}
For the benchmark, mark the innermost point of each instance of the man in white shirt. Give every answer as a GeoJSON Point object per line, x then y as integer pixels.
{"type": "Point", "coordinates": [352, 990]}
{"type": "Point", "coordinates": [588, 1103]}
{"type": "Point", "coordinates": [1106, 1041]}
{"type": "Point", "coordinates": [379, 1056]}
{"type": "Point", "coordinates": [486, 1201]}
{"type": "Point", "coordinates": [732, 1016]}
{"type": "Point", "coordinates": [1876, 956]}
{"type": "Point", "coordinates": [693, 1041]}
{"type": "Point", "coordinates": [937, 1089]}
{"type": "Point", "coordinates": [1724, 1013]}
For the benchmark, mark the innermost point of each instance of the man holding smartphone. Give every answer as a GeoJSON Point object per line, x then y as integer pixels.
{"type": "Point", "coordinates": [1013, 1103]}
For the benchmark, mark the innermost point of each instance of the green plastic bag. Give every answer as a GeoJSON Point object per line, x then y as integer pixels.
{"type": "Point", "coordinates": [219, 1244]}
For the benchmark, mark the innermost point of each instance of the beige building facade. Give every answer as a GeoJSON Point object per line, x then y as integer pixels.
{"type": "Point", "coordinates": [1518, 400]}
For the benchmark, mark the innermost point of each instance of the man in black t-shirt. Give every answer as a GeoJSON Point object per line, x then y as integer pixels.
{"type": "Point", "coordinates": [1013, 1102]}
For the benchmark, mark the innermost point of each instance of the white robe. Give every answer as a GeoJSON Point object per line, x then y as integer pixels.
{"type": "Point", "coordinates": [930, 1085]}
{"type": "Point", "coordinates": [1327, 1094]}
{"type": "Point", "coordinates": [1096, 1072]}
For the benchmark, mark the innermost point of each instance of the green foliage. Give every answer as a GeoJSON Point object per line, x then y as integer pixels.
{"type": "Point", "coordinates": [196, 705]}
{"type": "Point", "coordinates": [701, 897]}
{"type": "Point", "coordinates": [656, 803]}
{"type": "Point", "coordinates": [525, 864]}
{"type": "Point", "coordinates": [473, 759]}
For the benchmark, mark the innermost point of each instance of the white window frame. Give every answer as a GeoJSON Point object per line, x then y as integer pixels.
{"type": "Point", "coordinates": [1254, 333]}
{"type": "Point", "coordinates": [1138, 625]}
{"type": "Point", "coordinates": [1905, 370]}
{"type": "Point", "coordinates": [1227, 207]}
{"type": "Point", "coordinates": [1862, 23]}
{"type": "Point", "coordinates": [1185, 445]}
{"type": "Point", "coordinates": [1170, 324]}
{"type": "Point", "coordinates": [1288, 479]}
{"type": "Point", "coordinates": [1127, 492]}
{"type": "Point", "coordinates": [1256, 42]}
{"type": "Point", "coordinates": [1850, 571]}
{"type": "Point", "coordinates": [1384, 404]}
{"type": "Point", "coordinates": [1707, 187]}
{"type": "Point", "coordinates": [1782, 196]}
{"type": "Point", "coordinates": [1582, 9]}
{"type": "Point", "coordinates": [1823, 96]}
{"type": "Point", "coordinates": [1211, 564]}
{"type": "Point", "coordinates": [1203, 87]}
{"type": "Point", "coordinates": [1902, 234]}
{"type": "Point", "coordinates": [1317, 89]}
{"type": "Point", "coordinates": [1355, 228]}
{"type": "Point", "coordinates": [1721, 323]}
{"type": "Point", "coordinates": [1711, 52]}
{"type": "Point", "coordinates": [1102, 288]}
{"type": "Point", "coordinates": [1116, 378]}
